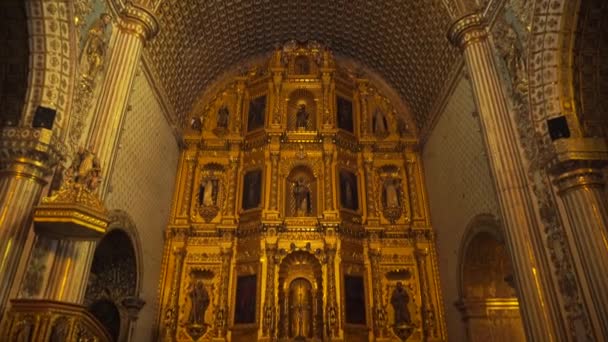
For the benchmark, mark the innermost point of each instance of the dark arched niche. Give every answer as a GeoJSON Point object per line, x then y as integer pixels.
{"type": "Point", "coordinates": [14, 60]}
{"type": "Point", "coordinates": [107, 313]}
{"type": "Point", "coordinates": [113, 280]}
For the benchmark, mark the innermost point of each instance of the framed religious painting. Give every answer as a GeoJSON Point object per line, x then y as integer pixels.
{"type": "Point", "coordinates": [349, 198]}
{"type": "Point", "coordinates": [245, 303]}
{"type": "Point", "coordinates": [345, 114]}
{"type": "Point", "coordinates": [252, 189]}
{"type": "Point", "coordinates": [256, 115]}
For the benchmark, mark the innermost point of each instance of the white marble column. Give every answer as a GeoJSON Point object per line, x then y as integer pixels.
{"type": "Point", "coordinates": [538, 296]}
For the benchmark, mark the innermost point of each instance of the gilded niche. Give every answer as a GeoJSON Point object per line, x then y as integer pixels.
{"type": "Point", "coordinates": [306, 211]}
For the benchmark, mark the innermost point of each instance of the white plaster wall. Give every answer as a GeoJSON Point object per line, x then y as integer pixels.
{"type": "Point", "coordinates": [459, 188]}
{"type": "Point", "coordinates": [142, 185]}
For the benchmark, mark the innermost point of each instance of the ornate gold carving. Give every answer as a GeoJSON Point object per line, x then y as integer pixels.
{"type": "Point", "coordinates": [41, 320]}
{"type": "Point", "coordinates": [415, 61]}
{"type": "Point", "coordinates": [296, 242]}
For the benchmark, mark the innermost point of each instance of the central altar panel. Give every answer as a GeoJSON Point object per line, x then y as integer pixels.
{"type": "Point", "coordinates": [299, 211]}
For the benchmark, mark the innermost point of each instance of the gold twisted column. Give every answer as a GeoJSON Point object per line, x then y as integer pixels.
{"type": "Point", "coordinates": [538, 296]}
{"type": "Point", "coordinates": [332, 302]}
{"type": "Point", "coordinates": [170, 319]}
{"type": "Point", "coordinates": [269, 302]}
{"type": "Point", "coordinates": [368, 164]}
{"type": "Point", "coordinates": [70, 269]}
{"type": "Point", "coordinates": [274, 174]}
{"type": "Point", "coordinates": [379, 312]}
{"type": "Point", "coordinates": [229, 212]}
{"type": "Point", "coordinates": [222, 313]}
{"type": "Point", "coordinates": [362, 92]}
{"type": "Point", "coordinates": [327, 182]}
{"type": "Point", "coordinates": [27, 155]}
{"type": "Point", "coordinates": [581, 188]}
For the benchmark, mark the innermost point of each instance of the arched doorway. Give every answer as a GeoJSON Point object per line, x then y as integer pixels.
{"type": "Point", "coordinates": [300, 297]}
{"type": "Point", "coordinates": [112, 285]}
{"type": "Point", "coordinates": [488, 303]}
{"type": "Point", "coordinates": [14, 57]}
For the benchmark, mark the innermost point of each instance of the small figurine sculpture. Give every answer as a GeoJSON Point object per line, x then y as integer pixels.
{"type": "Point", "coordinates": [200, 301]}
{"type": "Point", "coordinates": [399, 300]}
{"type": "Point", "coordinates": [94, 51]}
{"type": "Point", "coordinates": [222, 117]}
{"type": "Point", "coordinates": [301, 193]}
{"type": "Point", "coordinates": [302, 117]}
{"type": "Point", "coordinates": [84, 170]}
{"type": "Point", "coordinates": [379, 123]}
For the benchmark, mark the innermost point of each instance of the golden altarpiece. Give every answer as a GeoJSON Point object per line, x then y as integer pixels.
{"type": "Point", "coordinates": [299, 213]}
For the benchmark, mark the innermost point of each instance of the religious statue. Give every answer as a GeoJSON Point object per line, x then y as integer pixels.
{"type": "Point", "coordinates": [301, 193]}
{"type": "Point", "coordinates": [95, 46]}
{"type": "Point", "coordinates": [208, 192]}
{"type": "Point", "coordinates": [222, 117]}
{"type": "Point", "coordinates": [399, 300]}
{"type": "Point", "coordinates": [85, 170]}
{"type": "Point", "coordinates": [302, 117]}
{"type": "Point", "coordinates": [196, 124]}
{"type": "Point", "coordinates": [391, 193]}
{"type": "Point", "coordinates": [379, 123]}
{"type": "Point", "coordinates": [200, 301]}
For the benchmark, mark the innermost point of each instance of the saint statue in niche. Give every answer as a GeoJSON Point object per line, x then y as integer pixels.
{"type": "Point", "coordinates": [199, 298]}
{"type": "Point", "coordinates": [399, 301]}
{"type": "Point", "coordinates": [222, 117]}
{"type": "Point", "coordinates": [255, 118]}
{"type": "Point", "coordinates": [348, 190]}
{"type": "Point", "coordinates": [391, 193]}
{"type": "Point", "coordinates": [301, 193]}
{"type": "Point", "coordinates": [345, 114]}
{"type": "Point", "coordinates": [208, 190]}
{"type": "Point", "coordinates": [379, 123]}
{"type": "Point", "coordinates": [252, 189]}
{"type": "Point", "coordinates": [95, 46]}
{"type": "Point", "coordinates": [302, 117]}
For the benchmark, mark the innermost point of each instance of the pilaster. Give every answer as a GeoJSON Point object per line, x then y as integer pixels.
{"type": "Point", "coordinates": [539, 298]}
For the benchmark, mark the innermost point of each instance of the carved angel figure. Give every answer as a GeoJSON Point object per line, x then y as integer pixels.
{"type": "Point", "coordinates": [85, 169]}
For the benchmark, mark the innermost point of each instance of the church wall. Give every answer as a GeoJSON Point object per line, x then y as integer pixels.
{"type": "Point", "coordinates": [142, 185]}
{"type": "Point", "coordinates": [459, 188]}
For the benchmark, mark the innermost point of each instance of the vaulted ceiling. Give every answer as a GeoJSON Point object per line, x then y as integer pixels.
{"type": "Point", "coordinates": [403, 41]}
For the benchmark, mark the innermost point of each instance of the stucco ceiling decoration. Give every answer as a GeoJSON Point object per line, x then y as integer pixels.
{"type": "Point", "coordinates": [404, 41]}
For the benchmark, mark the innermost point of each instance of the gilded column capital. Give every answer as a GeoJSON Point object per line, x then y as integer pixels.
{"type": "Point", "coordinates": [29, 152]}
{"type": "Point", "coordinates": [468, 29]}
{"type": "Point", "coordinates": [137, 19]}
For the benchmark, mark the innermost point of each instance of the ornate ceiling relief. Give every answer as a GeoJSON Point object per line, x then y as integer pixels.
{"type": "Point", "coordinates": [404, 41]}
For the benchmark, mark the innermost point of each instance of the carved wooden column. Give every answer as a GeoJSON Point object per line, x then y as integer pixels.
{"type": "Point", "coordinates": [240, 90]}
{"type": "Point", "coordinates": [222, 313]}
{"type": "Point", "coordinates": [231, 199]}
{"type": "Point", "coordinates": [429, 322]}
{"type": "Point", "coordinates": [538, 296]}
{"type": "Point", "coordinates": [270, 305]}
{"type": "Point", "coordinates": [171, 313]}
{"type": "Point", "coordinates": [368, 163]}
{"type": "Point", "coordinates": [362, 92]}
{"type": "Point", "coordinates": [274, 174]}
{"type": "Point", "coordinates": [582, 190]}
{"type": "Point", "coordinates": [332, 322]}
{"type": "Point", "coordinates": [27, 155]}
{"type": "Point", "coordinates": [379, 312]}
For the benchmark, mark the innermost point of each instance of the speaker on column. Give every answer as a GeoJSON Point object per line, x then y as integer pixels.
{"type": "Point", "coordinates": [558, 128]}
{"type": "Point", "coordinates": [44, 117]}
